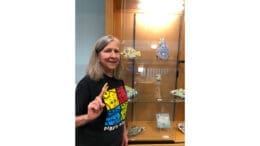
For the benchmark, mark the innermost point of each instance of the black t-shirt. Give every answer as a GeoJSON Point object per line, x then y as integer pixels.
{"type": "Point", "coordinates": [107, 129]}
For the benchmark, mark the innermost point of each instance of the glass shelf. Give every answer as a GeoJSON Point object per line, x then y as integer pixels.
{"type": "Point", "coordinates": [174, 99]}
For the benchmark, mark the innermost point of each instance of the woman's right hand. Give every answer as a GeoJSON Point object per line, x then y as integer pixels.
{"type": "Point", "coordinates": [95, 107]}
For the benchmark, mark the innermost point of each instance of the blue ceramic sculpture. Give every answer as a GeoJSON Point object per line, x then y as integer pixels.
{"type": "Point", "coordinates": [162, 51]}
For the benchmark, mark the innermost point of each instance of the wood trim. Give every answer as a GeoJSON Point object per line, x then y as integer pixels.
{"type": "Point", "coordinates": [109, 17]}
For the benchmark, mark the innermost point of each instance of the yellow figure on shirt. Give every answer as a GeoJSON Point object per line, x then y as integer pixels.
{"type": "Point", "coordinates": [110, 99]}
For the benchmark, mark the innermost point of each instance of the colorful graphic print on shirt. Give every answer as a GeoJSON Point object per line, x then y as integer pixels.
{"type": "Point", "coordinates": [116, 103]}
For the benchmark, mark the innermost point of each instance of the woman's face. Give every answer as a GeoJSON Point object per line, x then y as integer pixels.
{"type": "Point", "coordinates": [110, 57]}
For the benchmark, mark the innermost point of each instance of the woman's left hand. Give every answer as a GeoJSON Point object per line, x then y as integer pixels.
{"type": "Point", "coordinates": [125, 137]}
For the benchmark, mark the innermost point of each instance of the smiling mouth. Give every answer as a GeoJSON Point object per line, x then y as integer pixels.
{"type": "Point", "coordinates": [112, 61]}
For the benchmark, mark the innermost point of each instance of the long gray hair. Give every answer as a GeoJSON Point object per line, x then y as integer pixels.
{"type": "Point", "coordinates": [95, 69]}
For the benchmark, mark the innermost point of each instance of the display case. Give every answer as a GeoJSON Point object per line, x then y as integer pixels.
{"type": "Point", "coordinates": [152, 43]}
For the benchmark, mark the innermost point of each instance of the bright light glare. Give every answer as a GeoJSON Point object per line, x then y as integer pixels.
{"type": "Point", "coordinates": [154, 46]}
{"type": "Point", "coordinates": [140, 69]}
{"type": "Point", "coordinates": [160, 6]}
{"type": "Point", "coordinates": [156, 20]}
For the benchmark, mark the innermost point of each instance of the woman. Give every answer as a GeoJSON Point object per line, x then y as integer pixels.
{"type": "Point", "coordinates": [101, 99]}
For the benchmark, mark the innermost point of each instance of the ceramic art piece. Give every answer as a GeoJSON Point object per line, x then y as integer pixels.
{"type": "Point", "coordinates": [181, 126]}
{"type": "Point", "coordinates": [130, 53]}
{"type": "Point", "coordinates": [135, 130]}
{"type": "Point", "coordinates": [131, 92]}
{"type": "Point", "coordinates": [162, 52]}
{"type": "Point", "coordinates": [178, 92]}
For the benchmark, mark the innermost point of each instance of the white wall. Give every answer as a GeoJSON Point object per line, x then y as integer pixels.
{"type": "Point", "coordinates": [90, 25]}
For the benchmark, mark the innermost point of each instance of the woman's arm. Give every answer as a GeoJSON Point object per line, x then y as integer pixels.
{"type": "Point", "coordinates": [81, 120]}
{"type": "Point", "coordinates": [125, 137]}
{"type": "Point", "coordinates": [95, 108]}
